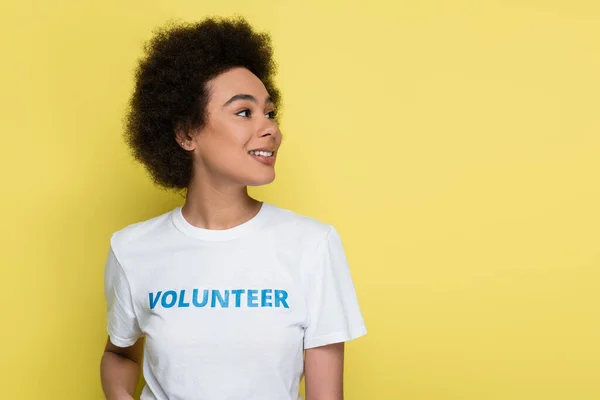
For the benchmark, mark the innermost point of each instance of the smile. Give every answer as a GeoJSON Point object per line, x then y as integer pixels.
{"type": "Point", "coordinates": [261, 153]}
{"type": "Point", "coordinates": [265, 157]}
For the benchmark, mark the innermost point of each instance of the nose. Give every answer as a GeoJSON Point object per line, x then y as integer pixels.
{"type": "Point", "coordinates": [268, 128]}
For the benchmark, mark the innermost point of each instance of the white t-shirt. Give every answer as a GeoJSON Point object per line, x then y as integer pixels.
{"type": "Point", "coordinates": [227, 313]}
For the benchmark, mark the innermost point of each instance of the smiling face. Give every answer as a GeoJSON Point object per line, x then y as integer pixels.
{"type": "Point", "coordinates": [238, 144]}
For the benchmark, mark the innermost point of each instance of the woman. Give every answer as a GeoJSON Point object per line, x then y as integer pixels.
{"type": "Point", "coordinates": [227, 297]}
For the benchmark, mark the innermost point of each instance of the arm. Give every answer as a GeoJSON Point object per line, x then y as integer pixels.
{"type": "Point", "coordinates": [324, 370]}
{"type": "Point", "coordinates": [120, 370]}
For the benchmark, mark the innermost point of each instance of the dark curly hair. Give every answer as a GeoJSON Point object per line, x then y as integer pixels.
{"type": "Point", "coordinates": [170, 88]}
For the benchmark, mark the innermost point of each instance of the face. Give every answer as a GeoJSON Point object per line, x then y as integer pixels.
{"type": "Point", "coordinates": [239, 142]}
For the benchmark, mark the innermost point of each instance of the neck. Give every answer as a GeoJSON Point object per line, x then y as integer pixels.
{"type": "Point", "coordinates": [210, 207]}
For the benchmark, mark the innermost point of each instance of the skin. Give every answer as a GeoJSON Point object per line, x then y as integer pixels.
{"type": "Point", "coordinates": [218, 199]}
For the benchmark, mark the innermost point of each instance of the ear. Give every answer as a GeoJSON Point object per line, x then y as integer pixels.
{"type": "Point", "coordinates": [185, 138]}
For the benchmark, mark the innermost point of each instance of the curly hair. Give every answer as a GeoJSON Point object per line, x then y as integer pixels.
{"type": "Point", "coordinates": [171, 93]}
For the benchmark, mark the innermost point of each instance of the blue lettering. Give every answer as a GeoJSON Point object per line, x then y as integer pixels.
{"type": "Point", "coordinates": [238, 296]}
{"type": "Point", "coordinates": [266, 298]}
{"type": "Point", "coordinates": [169, 304]}
{"type": "Point", "coordinates": [219, 298]}
{"type": "Point", "coordinates": [154, 300]}
{"type": "Point", "coordinates": [252, 298]}
{"type": "Point", "coordinates": [280, 297]}
{"type": "Point", "coordinates": [181, 300]}
{"type": "Point", "coordinates": [195, 298]}
{"type": "Point", "coordinates": [216, 296]}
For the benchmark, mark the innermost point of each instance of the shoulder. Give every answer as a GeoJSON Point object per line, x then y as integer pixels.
{"type": "Point", "coordinates": [141, 234]}
{"type": "Point", "coordinates": [298, 227]}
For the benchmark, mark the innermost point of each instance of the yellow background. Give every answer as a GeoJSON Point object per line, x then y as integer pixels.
{"type": "Point", "coordinates": [454, 144]}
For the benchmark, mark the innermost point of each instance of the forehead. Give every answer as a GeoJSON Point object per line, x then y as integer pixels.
{"type": "Point", "coordinates": [236, 81]}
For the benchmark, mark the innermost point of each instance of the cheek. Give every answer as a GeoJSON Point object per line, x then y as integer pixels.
{"type": "Point", "coordinates": [225, 145]}
{"type": "Point", "coordinates": [235, 135]}
{"type": "Point", "coordinates": [225, 138]}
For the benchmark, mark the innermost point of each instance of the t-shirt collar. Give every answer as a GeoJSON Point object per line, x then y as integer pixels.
{"type": "Point", "coordinates": [235, 232]}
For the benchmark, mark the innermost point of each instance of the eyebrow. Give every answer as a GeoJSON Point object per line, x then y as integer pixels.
{"type": "Point", "coordinates": [248, 97]}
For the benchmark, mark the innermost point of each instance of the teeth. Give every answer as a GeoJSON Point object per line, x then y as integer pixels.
{"type": "Point", "coordinates": [262, 153]}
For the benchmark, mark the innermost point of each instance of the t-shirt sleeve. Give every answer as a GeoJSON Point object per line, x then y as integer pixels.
{"type": "Point", "coordinates": [334, 314]}
{"type": "Point", "coordinates": [121, 321]}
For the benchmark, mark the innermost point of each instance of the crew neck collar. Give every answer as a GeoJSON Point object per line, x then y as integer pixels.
{"type": "Point", "coordinates": [235, 232]}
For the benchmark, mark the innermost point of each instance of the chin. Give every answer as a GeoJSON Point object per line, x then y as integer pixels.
{"type": "Point", "coordinates": [260, 180]}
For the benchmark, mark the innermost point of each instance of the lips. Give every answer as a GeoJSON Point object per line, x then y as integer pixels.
{"type": "Point", "coordinates": [266, 148]}
{"type": "Point", "coordinates": [261, 157]}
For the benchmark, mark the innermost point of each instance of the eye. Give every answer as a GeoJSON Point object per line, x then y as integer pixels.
{"type": "Point", "coordinates": [244, 113]}
{"type": "Point", "coordinates": [271, 114]}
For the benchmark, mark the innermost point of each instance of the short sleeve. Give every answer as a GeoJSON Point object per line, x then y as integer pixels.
{"type": "Point", "coordinates": [121, 321]}
{"type": "Point", "coordinates": [334, 314]}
